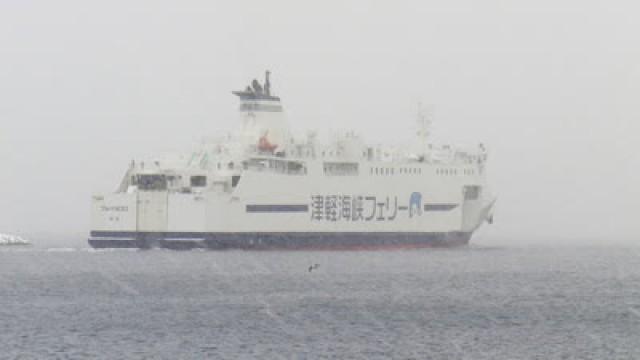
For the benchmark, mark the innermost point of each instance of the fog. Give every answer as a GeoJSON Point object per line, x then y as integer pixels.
{"type": "Point", "coordinates": [551, 88]}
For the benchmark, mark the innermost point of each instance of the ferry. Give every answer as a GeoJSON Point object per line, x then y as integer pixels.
{"type": "Point", "coordinates": [263, 188]}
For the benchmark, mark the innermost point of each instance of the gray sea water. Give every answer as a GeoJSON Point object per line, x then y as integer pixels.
{"type": "Point", "coordinates": [468, 303]}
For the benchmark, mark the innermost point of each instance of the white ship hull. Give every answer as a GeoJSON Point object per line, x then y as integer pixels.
{"type": "Point", "coordinates": [415, 210]}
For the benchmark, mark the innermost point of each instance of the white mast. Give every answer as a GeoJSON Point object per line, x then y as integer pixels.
{"type": "Point", "coordinates": [424, 121]}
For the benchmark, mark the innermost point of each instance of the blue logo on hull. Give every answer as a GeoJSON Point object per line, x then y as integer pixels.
{"type": "Point", "coordinates": [415, 204]}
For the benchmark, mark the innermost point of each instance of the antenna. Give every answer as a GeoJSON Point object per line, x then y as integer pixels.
{"type": "Point", "coordinates": [267, 83]}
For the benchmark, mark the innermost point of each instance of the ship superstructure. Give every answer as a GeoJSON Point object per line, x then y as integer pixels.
{"type": "Point", "coordinates": [261, 188]}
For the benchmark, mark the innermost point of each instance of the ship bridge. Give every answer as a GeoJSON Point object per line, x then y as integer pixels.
{"type": "Point", "coordinates": [263, 122]}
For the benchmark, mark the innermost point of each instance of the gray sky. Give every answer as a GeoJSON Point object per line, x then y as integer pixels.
{"type": "Point", "coordinates": [551, 87]}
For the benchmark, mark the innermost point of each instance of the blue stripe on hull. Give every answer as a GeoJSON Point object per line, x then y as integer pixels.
{"type": "Point", "coordinates": [301, 240]}
{"type": "Point", "coordinates": [282, 208]}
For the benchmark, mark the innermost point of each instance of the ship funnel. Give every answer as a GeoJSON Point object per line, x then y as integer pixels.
{"type": "Point", "coordinates": [262, 117]}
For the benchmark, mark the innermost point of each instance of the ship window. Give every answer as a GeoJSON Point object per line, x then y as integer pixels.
{"type": "Point", "coordinates": [340, 168]}
{"type": "Point", "coordinates": [296, 168]}
{"type": "Point", "coordinates": [172, 181]}
{"type": "Point", "coordinates": [198, 181]}
{"type": "Point", "coordinates": [472, 192]}
{"type": "Point", "coordinates": [235, 179]}
{"type": "Point", "coordinates": [152, 182]}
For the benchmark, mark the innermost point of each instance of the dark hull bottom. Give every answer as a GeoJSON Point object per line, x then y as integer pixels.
{"type": "Point", "coordinates": [267, 241]}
